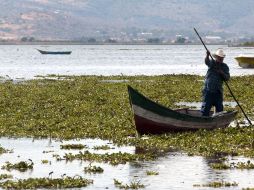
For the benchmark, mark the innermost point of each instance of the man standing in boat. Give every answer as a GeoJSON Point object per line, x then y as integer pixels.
{"type": "Point", "coordinates": [213, 90]}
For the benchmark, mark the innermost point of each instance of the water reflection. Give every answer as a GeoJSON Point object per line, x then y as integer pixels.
{"type": "Point", "coordinates": [176, 170]}
{"type": "Point", "coordinates": [179, 171]}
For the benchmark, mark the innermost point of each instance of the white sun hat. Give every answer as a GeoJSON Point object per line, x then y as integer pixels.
{"type": "Point", "coordinates": [220, 53]}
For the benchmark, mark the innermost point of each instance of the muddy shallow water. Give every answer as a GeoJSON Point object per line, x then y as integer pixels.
{"type": "Point", "coordinates": [176, 170]}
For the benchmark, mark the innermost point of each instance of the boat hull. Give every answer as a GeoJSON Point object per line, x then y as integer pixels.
{"type": "Point", "coordinates": [55, 52]}
{"type": "Point", "coordinates": [153, 118]}
{"type": "Point", "coordinates": [245, 62]}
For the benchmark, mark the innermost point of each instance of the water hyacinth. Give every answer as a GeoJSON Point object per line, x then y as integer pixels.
{"type": "Point", "coordinates": [102, 147]}
{"type": "Point", "coordinates": [217, 184]}
{"type": "Point", "coordinates": [85, 107]}
{"type": "Point", "coordinates": [114, 158]}
{"type": "Point", "coordinates": [133, 185]}
{"type": "Point", "coordinates": [21, 166]}
{"type": "Point", "coordinates": [45, 162]}
{"type": "Point", "coordinates": [220, 166]}
{"type": "Point", "coordinates": [73, 146]}
{"type": "Point", "coordinates": [239, 165]}
{"type": "Point", "coordinates": [219, 142]}
{"type": "Point", "coordinates": [243, 165]}
{"type": "Point", "coordinates": [93, 169]}
{"type": "Point", "coordinates": [5, 176]}
{"type": "Point", "coordinates": [2, 150]}
{"type": "Point", "coordinates": [152, 173]}
{"type": "Point", "coordinates": [36, 183]}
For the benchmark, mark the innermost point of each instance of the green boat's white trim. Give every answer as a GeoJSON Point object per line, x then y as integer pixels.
{"type": "Point", "coordinates": [218, 121]}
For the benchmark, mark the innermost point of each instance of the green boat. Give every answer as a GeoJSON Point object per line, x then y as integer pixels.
{"type": "Point", "coordinates": [153, 118]}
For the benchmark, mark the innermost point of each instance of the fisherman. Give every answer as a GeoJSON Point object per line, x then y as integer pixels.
{"type": "Point", "coordinates": [216, 74]}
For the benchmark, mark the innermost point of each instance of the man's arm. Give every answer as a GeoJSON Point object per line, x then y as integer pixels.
{"type": "Point", "coordinates": [208, 62]}
{"type": "Point", "coordinates": [224, 73]}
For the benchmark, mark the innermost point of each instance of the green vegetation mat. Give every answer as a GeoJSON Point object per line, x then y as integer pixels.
{"type": "Point", "coordinates": [98, 107]}
{"type": "Point", "coordinates": [46, 183]}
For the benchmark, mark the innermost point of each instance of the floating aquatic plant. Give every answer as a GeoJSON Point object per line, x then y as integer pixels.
{"type": "Point", "coordinates": [93, 169]}
{"type": "Point", "coordinates": [217, 184]}
{"type": "Point", "coordinates": [244, 165]}
{"type": "Point", "coordinates": [237, 165]}
{"type": "Point", "coordinates": [21, 166]}
{"type": "Point", "coordinates": [73, 146]}
{"type": "Point", "coordinates": [45, 162]}
{"type": "Point", "coordinates": [2, 150]}
{"type": "Point", "coordinates": [219, 142]}
{"type": "Point", "coordinates": [114, 158]}
{"type": "Point", "coordinates": [132, 185]}
{"type": "Point", "coordinates": [58, 157]}
{"type": "Point", "coordinates": [48, 183]}
{"type": "Point", "coordinates": [152, 173]}
{"type": "Point", "coordinates": [220, 166]}
{"type": "Point", "coordinates": [85, 107]}
{"type": "Point", "coordinates": [102, 147]}
{"type": "Point", "coordinates": [5, 176]}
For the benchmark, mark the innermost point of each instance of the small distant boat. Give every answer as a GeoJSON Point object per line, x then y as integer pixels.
{"type": "Point", "coordinates": [245, 61]}
{"type": "Point", "coordinates": [153, 118]}
{"type": "Point", "coordinates": [54, 52]}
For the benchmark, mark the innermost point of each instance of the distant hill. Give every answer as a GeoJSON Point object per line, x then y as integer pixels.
{"type": "Point", "coordinates": [70, 19]}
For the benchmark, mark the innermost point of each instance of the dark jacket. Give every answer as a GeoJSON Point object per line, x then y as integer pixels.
{"type": "Point", "coordinates": [214, 79]}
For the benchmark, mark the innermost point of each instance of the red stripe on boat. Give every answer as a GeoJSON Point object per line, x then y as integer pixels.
{"type": "Point", "coordinates": [145, 126]}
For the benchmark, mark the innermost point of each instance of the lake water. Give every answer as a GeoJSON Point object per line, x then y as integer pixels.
{"type": "Point", "coordinates": [26, 62]}
{"type": "Point", "coordinates": [176, 170]}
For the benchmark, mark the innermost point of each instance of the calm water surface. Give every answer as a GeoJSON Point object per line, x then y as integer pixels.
{"type": "Point", "coordinates": [176, 170]}
{"type": "Point", "coordinates": [26, 62]}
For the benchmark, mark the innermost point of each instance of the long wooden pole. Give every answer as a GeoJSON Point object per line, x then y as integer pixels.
{"type": "Point", "coordinates": [225, 81]}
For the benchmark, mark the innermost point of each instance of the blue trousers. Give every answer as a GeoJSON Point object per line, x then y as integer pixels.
{"type": "Point", "coordinates": [211, 99]}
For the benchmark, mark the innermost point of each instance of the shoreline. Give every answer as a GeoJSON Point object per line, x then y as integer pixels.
{"type": "Point", "coordinates": [103, 43]}
{"type": "Point", "coordinates": [41, 43]}
{"type": "Point", "coordinates": [66, 76]}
